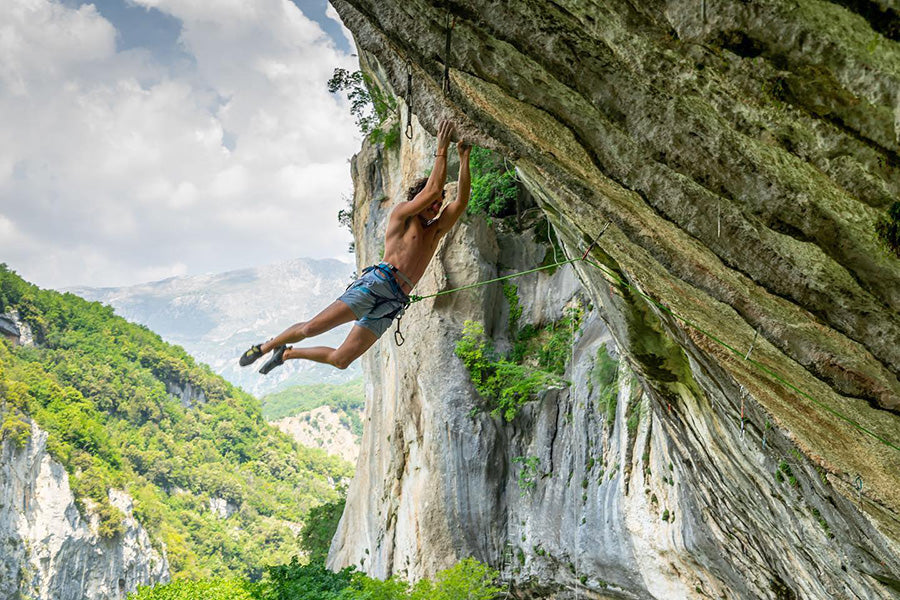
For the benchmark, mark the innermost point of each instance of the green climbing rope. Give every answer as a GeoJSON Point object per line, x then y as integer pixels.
{"type": "Point", "coordinates": [413, 298]}
{"type": "Point", "coordinates": [764, 368]}
{"type": "Point", "coordinates": [618, 280]}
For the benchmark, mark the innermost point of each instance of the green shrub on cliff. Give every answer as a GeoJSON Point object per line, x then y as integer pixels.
{"type": "Point", "coordinates": [503, 384]}
{"type": "Point", "coordinates": [603, 378]}
{"type": "Point", "coordinates": [369, 104]}
{"type": "Point", "coordinates": [494, 186]}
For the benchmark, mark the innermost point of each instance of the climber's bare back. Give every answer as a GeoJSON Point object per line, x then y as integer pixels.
{"type": "Point", "coordinates": [409, 245]}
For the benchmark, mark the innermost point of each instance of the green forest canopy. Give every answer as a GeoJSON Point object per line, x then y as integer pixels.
{"type": "Point", "coordinates": [98, 385]}
{"type": "Point", "coordinates": [345, 397]}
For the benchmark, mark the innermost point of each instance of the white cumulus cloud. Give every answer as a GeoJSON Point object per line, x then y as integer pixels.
{"type": "Point", "coordinates": [116, 169]}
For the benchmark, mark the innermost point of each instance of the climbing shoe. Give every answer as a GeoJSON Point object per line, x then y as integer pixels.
{"type": "Point", "coordinates": [250, 356]}
{"type": "Point", "coordinates": [276, 360]}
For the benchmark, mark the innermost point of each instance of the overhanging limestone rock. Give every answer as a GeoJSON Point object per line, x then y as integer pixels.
{"type": "Point", "coordinates": [742, 157]}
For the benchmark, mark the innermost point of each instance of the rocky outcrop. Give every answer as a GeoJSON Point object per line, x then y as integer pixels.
{"type": "Point", "coordinates": [324, 427]}
{"type": "Point", "coordinates": [14, 329]}
{"type": "Point", "coordinates": [186, 393]}
{"type": "Point", "coordinates": [50, 549]}
{"type": "Point", "coordinates": [741, 153]}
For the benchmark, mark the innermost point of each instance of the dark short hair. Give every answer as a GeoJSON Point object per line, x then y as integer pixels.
{"type": "Point", "coordinates": [415, 188]}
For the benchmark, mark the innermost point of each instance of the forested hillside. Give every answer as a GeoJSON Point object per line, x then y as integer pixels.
{"type": "Point", "coordinates": [224, 491]}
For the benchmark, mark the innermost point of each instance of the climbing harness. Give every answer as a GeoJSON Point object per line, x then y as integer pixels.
{"type": "Point", "coordinates": [409, 100]}
{"type": "Point", "coordinates": [451, 23]}
{"type": "Point", "coordinates": [389, 270]}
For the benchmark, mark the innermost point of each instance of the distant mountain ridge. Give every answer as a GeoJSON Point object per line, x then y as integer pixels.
{"type": "Point", "coordinates": [216, 317]}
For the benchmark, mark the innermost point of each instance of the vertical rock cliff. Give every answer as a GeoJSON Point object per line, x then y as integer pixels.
{"type": "Point", "coordinates": [741, 154]}
{"type": "Point", "coordinates": [49, 549]}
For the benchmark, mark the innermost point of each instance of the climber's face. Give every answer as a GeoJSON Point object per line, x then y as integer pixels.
{"type": "Point", "coordinates": [434, 209]}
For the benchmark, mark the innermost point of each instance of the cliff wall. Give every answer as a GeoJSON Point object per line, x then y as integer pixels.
{"type": "Point", "coordinates": [49, 549]}
{"type": "Point", "coordinates": [741, 154]}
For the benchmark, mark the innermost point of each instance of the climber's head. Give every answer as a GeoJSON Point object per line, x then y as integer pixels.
{"type": "Point", "coordinates": [434, 208]}
{"type": "Point", "coordinates": [415, 188]}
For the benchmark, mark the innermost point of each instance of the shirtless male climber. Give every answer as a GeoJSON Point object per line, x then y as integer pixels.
{"type": "Point", "coordinates": [381, 293]}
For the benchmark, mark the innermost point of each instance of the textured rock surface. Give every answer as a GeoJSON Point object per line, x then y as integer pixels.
{"type": "Point", "coordinates": [742, 153]}
{"type": "Point", "coordinates": [49, 550]}
{"type": "Point", "coordinates": [17, 331]}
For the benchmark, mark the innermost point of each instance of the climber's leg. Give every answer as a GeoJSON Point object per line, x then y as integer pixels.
{"type": "Point", "coordinates": [337, 313]}
{"type": "Point", "coordinates": [358, 341]}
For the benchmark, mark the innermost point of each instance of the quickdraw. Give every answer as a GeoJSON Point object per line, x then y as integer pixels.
{"type": "Point", "coordinates": [409, 100]}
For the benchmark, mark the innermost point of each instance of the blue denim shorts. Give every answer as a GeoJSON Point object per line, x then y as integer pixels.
{"type": "Point", "coordinates": [376, 300]}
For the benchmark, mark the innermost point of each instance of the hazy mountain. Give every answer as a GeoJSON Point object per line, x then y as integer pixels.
{"type": "Point", "coordinates": [216, 317]}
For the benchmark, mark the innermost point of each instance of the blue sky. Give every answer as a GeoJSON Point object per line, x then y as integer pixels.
{"type": "Point", "coordinates": [147, 27]}
{"type": "Point", "coordinates": [143, 139]}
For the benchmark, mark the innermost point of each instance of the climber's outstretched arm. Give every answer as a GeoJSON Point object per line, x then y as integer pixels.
{"type": "Point", "coordinates": [431, 193]}
{"type": "Point", "coordinates": [456, 208]}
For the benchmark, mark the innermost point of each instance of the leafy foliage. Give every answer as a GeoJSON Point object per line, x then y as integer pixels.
{"type": "Point", "coordinates": [210, 589]}
{"type": "Point", "coordinates": [511, 293]}
{"type": "Point", "coordinates": [347, 397]}
{"type": "Point", "coordinates": [98, 385]}
{"type": "Point", "coordinates": [313, 581]}
{"type": "Point", "coordinates": [548, 347]}
{"type": "Point", "coordinates": [603, 378]}
{"type": "Point", "coordinates": [494, 187]}
{"type": "Point", "coordinates": [503, 384]}
{"type": "Point", "coordinates": [537, 360]}
{"type": "Point", "coordinates": [467, 580]}
{"type": "Point", "coordinates": [369, 104]}
{"type": "Point", "coordinates": [319, 529]}
{"type": "Point", "coordinates": [528, 473]}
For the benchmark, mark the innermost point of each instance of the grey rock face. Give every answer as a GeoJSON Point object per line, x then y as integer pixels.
{"type": "Point", "coordinates": [741, 166]}
{"type": "Point", "coordinates": [17, 331]}
{"type": "Point", "coordinates": [50, 551]}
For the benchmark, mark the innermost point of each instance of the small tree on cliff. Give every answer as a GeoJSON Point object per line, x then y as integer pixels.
{"type": "Point", "coordinates": [369, 104]}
